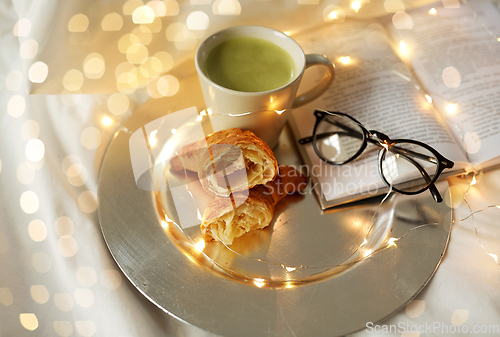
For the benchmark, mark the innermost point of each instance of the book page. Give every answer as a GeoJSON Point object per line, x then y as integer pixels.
{"type": "Point", "coordinates": [455, 53]}
{"type": "Point", "coordinates": [373, 86]}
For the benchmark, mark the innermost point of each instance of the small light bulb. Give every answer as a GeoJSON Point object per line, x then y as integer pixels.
{"type": "Point", "coordinates": [356, 5]}
{"type": "Point", "coordinates": [107, 121]}
{"type": "Point", "coordinates": [451, 108]}
{"type": "Point", "coordinates": [494, 257]}
{"type": "Point", "coordinates": [333, 15]}
{"type": "Point", "coordinates": [200, 245]}
{"type": "Point", "coordinates": [345, 59]}
{"type": "Point", "coordinates": [259, 282]}
{"type": "Point", "coordinates": [432, 11]}
{"type": "Point", "coordinates": [392, 241]}
{"type": "Point", "coordinates": [402, 46]}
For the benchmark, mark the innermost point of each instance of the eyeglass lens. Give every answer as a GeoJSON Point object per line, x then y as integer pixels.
{"type": "Point", "coordinates": [408, 167]}
{"type": "Point", "coordinates": [338, 138]}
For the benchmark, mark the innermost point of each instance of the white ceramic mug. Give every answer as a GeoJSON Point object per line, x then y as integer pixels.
{"type": "Point", "coordinates": [221, 101]}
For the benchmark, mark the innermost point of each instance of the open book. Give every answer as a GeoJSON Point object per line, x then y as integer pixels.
{"type": "Point", "coordinates": [430, 74]}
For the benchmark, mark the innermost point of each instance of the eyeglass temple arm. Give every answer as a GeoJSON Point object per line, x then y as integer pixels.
{"type": "Point", "coordinates": [432, 188]}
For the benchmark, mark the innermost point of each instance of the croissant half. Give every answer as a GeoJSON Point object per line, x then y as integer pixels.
{"type": "Point", "coordinates": [227, 218]}
{"type": "Point", "coordinates": [230, 157]}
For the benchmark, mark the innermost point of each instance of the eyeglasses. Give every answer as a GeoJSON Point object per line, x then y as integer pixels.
{"type": "Point", "coordinates": [409, 166]}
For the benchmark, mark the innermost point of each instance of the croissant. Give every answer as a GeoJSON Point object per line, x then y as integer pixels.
{"type": "Point", "coordinates": [227, 218]}
{"type": "Point", "coordinates": [230, 157]}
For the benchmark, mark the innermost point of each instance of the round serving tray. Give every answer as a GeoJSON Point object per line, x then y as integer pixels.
{"type": "Point", "coordinates": [370, 290]}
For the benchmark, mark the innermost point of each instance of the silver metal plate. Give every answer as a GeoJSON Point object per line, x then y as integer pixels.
{"type": "Point", "coordinates": [186, 284]}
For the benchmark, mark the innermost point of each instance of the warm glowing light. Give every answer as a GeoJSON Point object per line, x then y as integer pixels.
{"type": "Point", "coordinates": [143, 14]}
{"type": "Point", "coordinates": [153, 133]}
{"type": "Point", "coordinates": [333, 15]}
{"type": "Point", "coordinates": [451, 108]}
{"type": "Point", "coordinates": [428, 98]}
{"type": "Point", "coordinates": [402, 46]}
{"type": "Point", "coordinates": [290, 269]}
{"type": "Point", "coordinates": [356, 5]}
{"type": "Point", "coordinates": [498, 39]}
{"type": "Point", "coordinates": [286, 33]}
{"type": "Point", "coordinates": [200, 245]}
{"type": "Point", "coordinates": [199, 118]}
{"type": "Point", "coordinates": [473, 181]}
{"type": "Point", "coordinates": [364, 242]}
{"type": "Point", "coordinates": [78, 23]}
{"type": "Point", "coordinates": [29, 321]}
{"type": "Point", "coordinates": [197, 20]}
{"type": "Point", "coordinates": [38, 72]}
{"type": "Point", "coordinates": [368, 252]}
{"type": "Point", "coordinates": [203, 113]}
{"type": "Point", "coordinates": [107, 121]}
{"type": "Point", "coordinates": [288, 285]}
{"type": "Point", "coordinates": [112, 22]}
{"type": "Point", "coordinates": [494, 257]}
{"type": "Point", "coordinates": [432, 11]}
{"type": "Point", "coordinates": [173, 131]}
{"type": "Point", "coordinates": [164, 224]}
{"type": "Point", "coordinates": [94, 66]}
{"type": "Point", "coordinates": [209, 112]}
{"type": "Point", "coordinates": [391, 242]}
{"type": "Point", "coordinates": [152, 141]}
{"type": "Point", "coordinates": [345, 59]}
{"type": "Point", "coordinates": [259, 282]}
{"type": "Point", "coordinates": [279, 112]}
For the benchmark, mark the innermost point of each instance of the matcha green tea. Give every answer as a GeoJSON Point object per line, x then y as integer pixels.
{"type": "Point", "coordinates": [249, 64]}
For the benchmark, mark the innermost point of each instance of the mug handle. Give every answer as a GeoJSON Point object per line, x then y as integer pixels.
{"type": "Point", "coordinates": [312, 60]}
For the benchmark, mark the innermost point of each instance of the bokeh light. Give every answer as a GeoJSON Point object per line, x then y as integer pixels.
{"type": "Point", "coordinates": [159, 8]}
{"type": "Point", "coordinates": [16, 106]}
{"type": "Point", "coordinates": [451, 77]}
{"type": "Point", "coordinates": [144, 35]}
{"type": "Point", "coordinates": [22, 27]}
{"type": "Point", "coordinates": [167, 61]}
{"type": "Point", "coordinates": [78, 23]}
{"type": "Point", "coordinates": [118, 103]}
{"type": "Point", "coordinates": [197, 20]}
{"type": "Point", "coordinates": [35, 150]}
{"type": "Point", "coordinates": [126, 41]}
{"type": "Point", "coordinates": [112, 22]}
{"type": "Point", "coordinates": [137, 53]}
{"type": "Point", "coordinates": [393, 6]}
{"type": "Point", "coordinates": [226, 7]}
{"type": "Point", "coordinates": [38, 72]}
{"type": "Point", "coordinates": [143, 14]}
{"type": "Point", "coordinates": [172, 7]}
{"type": "Point", "coordinates": [73, 80]}
{"type": "Point", "coordinates": [402, 20]}
{"type": "Point", "coordinates": [94, 66]}
{"type": "Point", "coordinates": [28, 49]}
{"type": "Point", "coordinates": [29, 321]}
{"type": "Point", "coordinates": [130, 6]}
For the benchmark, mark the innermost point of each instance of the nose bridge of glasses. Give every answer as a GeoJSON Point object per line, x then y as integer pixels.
{"type": "Point", "coordinates": [380, 138]}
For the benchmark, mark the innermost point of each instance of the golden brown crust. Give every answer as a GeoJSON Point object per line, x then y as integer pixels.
{"type": "Point", "coordinates": [209, 156]}
{"type": "Point", "coordinates": [227, 218]}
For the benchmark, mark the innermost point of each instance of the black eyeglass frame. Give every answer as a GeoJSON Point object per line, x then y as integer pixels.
{"type": "Point", "coordinates": [380, 139]}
